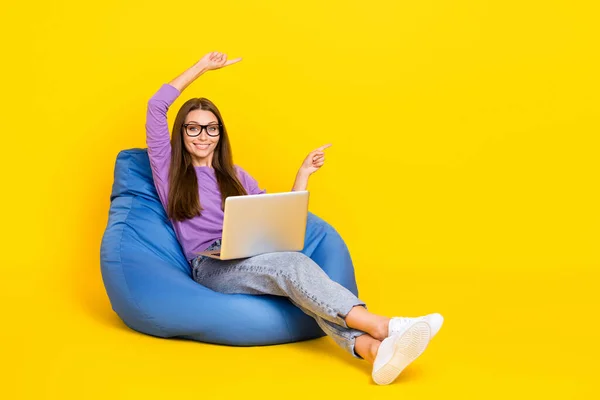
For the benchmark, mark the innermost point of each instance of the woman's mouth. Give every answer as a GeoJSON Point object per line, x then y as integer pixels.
{"type": "Point", "coordinates": [201, 146]}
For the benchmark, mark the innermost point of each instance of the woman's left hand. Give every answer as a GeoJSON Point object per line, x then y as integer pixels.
{"type": "Point", "coordinates": [314, 161]}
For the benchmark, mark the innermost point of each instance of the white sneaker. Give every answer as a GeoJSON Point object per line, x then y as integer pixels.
{"type": "Point", "coordinates": [396, 352]}
{"type": "Point", "coordinates": [398, 324]}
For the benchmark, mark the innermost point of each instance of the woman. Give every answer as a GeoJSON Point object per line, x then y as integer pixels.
{"type": "Point", "coordinates": [194, 174]}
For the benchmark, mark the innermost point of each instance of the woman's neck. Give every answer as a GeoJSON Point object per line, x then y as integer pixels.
{"type": "Point", "coordinates": [202, 162]}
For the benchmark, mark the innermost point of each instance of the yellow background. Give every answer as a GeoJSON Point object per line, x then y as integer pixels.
{"type": "Point", "coordinates": [463, 176]}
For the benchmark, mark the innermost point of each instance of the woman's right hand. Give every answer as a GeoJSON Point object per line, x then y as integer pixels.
{"type": "Point", "coordinates": [216, 60]}
{"type": "Point", "coordinates": [213, 60]}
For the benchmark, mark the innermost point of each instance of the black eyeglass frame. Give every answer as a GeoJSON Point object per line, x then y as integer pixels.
{"type": "Point", "coordinates": [202, 127]}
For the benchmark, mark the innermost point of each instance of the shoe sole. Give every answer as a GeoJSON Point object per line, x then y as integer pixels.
{"type": "Point", "coordinates": [407, 349]}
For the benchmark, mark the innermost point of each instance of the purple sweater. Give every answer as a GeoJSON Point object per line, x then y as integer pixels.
{"type": "Point", "coordinates": [197, 233]}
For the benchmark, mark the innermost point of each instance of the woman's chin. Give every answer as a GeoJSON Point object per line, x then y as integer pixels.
{"type": "Point", "coordinates": [202, 153]}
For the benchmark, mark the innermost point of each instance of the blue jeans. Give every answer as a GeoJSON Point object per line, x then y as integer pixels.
{"type": "Point", "coordinates": [290, 274]}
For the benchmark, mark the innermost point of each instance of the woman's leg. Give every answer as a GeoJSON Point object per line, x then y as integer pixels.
{"type": "Point", "coordinates": [335, 308]}
{"type": "Point", "coordinates": [367, 346]}
{"type": "Point", "coordinates": [296, 276]}
{"type": "Point", "coordinates": [376, 325]}
{"type": "Point", "coordinates": [356, 342]}
{"type": "Point", "coordinates": [344, 337]}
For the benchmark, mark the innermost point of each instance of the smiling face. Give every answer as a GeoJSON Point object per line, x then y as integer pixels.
{"type": "Point", "coordinates": [202, 146]}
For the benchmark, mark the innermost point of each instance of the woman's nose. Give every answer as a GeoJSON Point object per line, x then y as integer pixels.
{"type": "Point", "coordinates": [203, 134]}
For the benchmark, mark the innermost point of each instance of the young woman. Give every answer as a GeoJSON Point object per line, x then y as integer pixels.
{"type": "Point", "coordinates": [194, 174]}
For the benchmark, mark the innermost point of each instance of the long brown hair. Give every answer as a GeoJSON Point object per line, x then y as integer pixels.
{"type": "Point", "coordinates": [184, 198]}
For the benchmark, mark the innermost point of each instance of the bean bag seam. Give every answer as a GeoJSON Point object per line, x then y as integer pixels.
{"type": "Point", "coordinates": [134, 301]}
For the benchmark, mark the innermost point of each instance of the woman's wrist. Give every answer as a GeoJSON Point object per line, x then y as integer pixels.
{"type": "Point", "coordinates": [301, 182]}
{"type": "Point", "coordinates": [200, 68]}
{"type": "Point", "coordinates": [189, 76]}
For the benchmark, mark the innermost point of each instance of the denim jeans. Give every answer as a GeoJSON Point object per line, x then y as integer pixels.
{"type": "Point", "coordinates": [290, 274]}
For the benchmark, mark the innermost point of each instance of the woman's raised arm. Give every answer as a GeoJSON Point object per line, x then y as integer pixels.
{"type": "Point", "coordinates": [157, 127]}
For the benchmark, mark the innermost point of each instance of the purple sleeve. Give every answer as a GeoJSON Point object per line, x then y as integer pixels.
{"type": "Point", "coordinates": [158, 138]}
{"type": "Point", "coordinates": [249, 183]}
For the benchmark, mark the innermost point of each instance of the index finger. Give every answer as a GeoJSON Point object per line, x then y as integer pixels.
{"type": "Point", "coordinates": [229, 62]}
{"type": "Point", "coordinates": [326, 146]}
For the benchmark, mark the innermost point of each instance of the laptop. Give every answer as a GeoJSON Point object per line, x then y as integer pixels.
{"type": "Point", "coordinates": [262, 223]}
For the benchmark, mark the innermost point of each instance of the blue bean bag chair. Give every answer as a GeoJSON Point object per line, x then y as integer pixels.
{"type": "Point", "coordinates": [149, 283]}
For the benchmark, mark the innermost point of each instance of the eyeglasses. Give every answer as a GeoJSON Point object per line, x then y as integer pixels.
{"type": "Point", "coordinates": [194, 130]}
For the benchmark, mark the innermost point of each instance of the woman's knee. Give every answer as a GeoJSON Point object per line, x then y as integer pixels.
{"type": "Point", "coordinates": [298, 260]}
{"type": "Point", "coordinates": [287, 262]}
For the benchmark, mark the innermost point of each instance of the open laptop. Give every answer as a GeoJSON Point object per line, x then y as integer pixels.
{"type": "Point", "coordinates": [262, 223]}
